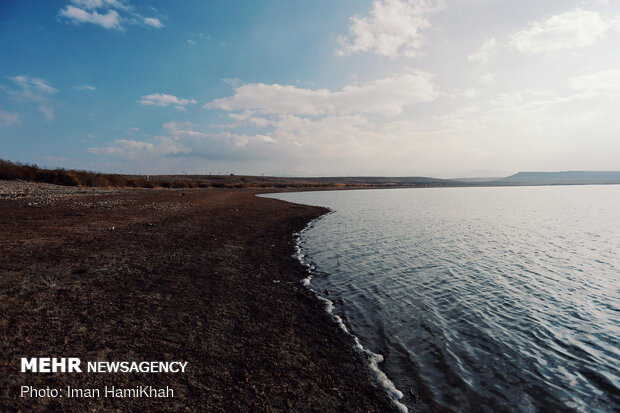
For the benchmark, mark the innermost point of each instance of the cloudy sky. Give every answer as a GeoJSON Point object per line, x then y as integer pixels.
{"type": "Point", "coordinates": [448, 88]}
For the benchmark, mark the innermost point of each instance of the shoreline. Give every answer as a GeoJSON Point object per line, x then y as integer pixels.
{"type": "Point", "coordinates": [203, 275]}
{"type": "Point", "coordinates": [372, 359]}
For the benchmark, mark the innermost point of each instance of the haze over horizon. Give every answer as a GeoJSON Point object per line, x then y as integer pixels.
{"type": "Point", "coordinates": [454, 88]}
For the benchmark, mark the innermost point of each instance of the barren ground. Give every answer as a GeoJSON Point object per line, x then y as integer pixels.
{"type": "Point", "coordinates": [203, 276]}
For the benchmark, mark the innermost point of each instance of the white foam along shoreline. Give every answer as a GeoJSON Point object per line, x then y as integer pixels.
{"type": "Point", "coordinates": [373, 359]}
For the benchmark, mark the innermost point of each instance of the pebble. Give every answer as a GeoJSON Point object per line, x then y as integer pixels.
{"type": "Point", "coordinates": [37, 194]}
{"type": "Point", "coordinates": [40, 194]}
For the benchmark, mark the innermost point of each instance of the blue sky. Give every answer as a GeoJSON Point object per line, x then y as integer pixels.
{"type": "Point", "coordinates": [347, 87]}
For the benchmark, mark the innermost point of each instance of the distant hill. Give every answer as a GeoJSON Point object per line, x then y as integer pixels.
{"type": "Point", "coordinates": [478, 180]}
{"type": "Point", "coordinates": [385, 180]}
{"type": "Point", "coordinates": [562, 178]}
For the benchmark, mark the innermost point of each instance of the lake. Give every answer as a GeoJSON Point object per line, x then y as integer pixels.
{"type": "Point", "coordinates": [478, 299]}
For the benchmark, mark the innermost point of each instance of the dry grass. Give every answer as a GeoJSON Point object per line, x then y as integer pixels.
{"type": "Point", "coordinates": [67, 177]}
{"type": "Point", "coordinates": [32, 173]}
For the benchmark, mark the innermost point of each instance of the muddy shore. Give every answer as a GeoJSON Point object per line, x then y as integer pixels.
{"type": "Point", "coordinates": [204, 276]}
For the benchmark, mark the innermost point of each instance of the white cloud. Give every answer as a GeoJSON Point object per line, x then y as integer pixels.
{"type": "Point", "coordinates": [574, 29]}
{"type": "Point", "coordinates": [136, 145]}
{"type": "Point", "coordinates": [106, 150]}
{"type": "Point", "coordinates": [109, 20]}
{"type": "Point", "coordinates": [471, 93]}
{"type": "Point", "coordinates": [198, 37]}
{"type": "Point", "coordinates": [85, 88]}
{"type": "Point", "coordinates": [601, 83]}
{"type": "Point", "coordinates": [350, 123]}
{"type": "Point", "coordinates": [321, 131]}
{"type": "Point", "coordinates": [241, 116]}
{"type": "Point", "coordinates": [384, 97]}
{"type": "Point", "coordinates": [235, 82]}
{"type": "Point", "coordinates": [162, 99]}
{"type": "Point", "coordinates": [35, 90]}
{"type": "Point", "coordinates": [153, 22]}
{"type": "Point", "coordinates": [577, 28]}
{"type": "Point", "coordinates": [47, 111]}
{"type": "Point", "coordinates": [201, 36]}
{"type": "Point", "coordinates": [183, 140]}
{"type": "Point", "coordinates": [200, 143]}
{"type": "Point", "coordinates": [261, 122]}
{"type": "Point", "coordinates": [488, 116]}
{"type": "Point", "coordinates": [126, 147]}
{"type": "Point", "coordinates": [33, 83]}
{"type": "Point", "coordinates": [326, 132]}
{"type": "Point", "coordinates": [524, 129]}
{"type": "Point", "coordinates": [327, 127]}
{"type": "Point", "coordinates": [214, 145]}
{"type": "Point", "coordinates": [96, 4]}
{"type": "Point", "coordinates": [109, 14]}
{"type": "Point", "coordinates": [8, 119]}
{"type": "Point", "coordinates": [391, 28]}
{"type": "Point", "coordinates": [536, 129]}
{"type": "Point", "coordinates": [483, 53]}
{"type": "Point", "coordinates": [488, 78]}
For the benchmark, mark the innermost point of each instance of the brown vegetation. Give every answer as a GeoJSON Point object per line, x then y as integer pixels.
{"type": "Point", "coordinates": [67, 177]}
{"type": "Point", "coordinates": [32, 173]}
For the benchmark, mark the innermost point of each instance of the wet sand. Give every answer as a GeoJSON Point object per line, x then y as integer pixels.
{"type": "Point", "coordinates": [204, 276]}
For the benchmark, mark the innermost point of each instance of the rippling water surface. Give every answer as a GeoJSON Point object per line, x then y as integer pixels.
{"type": "Point", "coordinates": [480, 299]}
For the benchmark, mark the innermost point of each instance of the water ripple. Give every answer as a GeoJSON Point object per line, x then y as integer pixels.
{"type": "Point", "coordinates": [480, 299]}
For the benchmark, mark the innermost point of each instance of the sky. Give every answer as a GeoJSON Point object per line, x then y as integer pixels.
{"type": "Point", "coordinates": [442, 88]}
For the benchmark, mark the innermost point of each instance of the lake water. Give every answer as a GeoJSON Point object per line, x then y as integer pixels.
{"type": "Point", "coordinates": [479, 299]}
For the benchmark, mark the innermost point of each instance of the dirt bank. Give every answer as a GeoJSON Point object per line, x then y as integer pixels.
{"type": "Point", "coordinates": [203, 276]}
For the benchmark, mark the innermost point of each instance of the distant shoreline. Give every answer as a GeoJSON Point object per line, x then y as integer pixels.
{"type": "Point", "coordinates": [67, 177]}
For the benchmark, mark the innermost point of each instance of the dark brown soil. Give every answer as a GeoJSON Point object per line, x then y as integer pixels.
{"type": "Point", "coordinates": [153, 275]}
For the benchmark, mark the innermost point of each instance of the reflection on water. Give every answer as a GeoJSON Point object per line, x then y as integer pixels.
{"type": "Point", "coordinates": [480, 299]}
